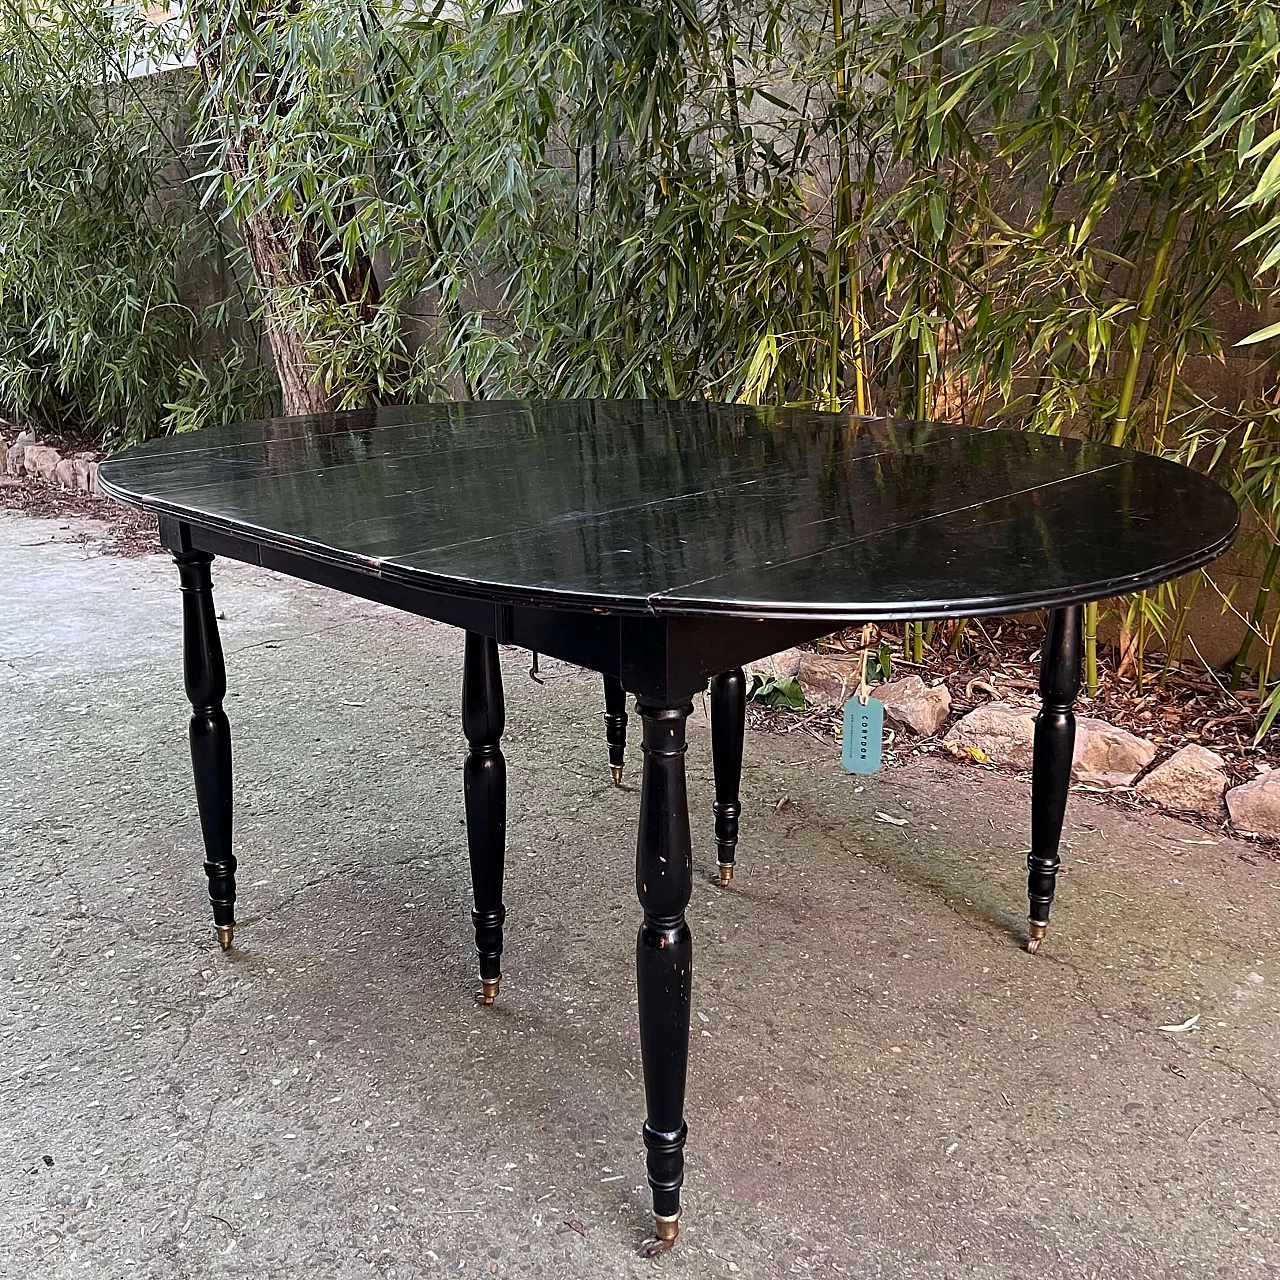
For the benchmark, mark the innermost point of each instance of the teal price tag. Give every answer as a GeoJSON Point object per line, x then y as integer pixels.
{"type": "Point", "coordinates": [863, 735]}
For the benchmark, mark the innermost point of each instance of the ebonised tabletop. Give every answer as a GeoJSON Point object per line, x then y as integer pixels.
{"type": "Point", "coordinates": [693, 508]}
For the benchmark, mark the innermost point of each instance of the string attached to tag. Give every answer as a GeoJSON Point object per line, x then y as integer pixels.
{"type": "Point", "coordinates": [863, 745]}
{"type": "Point", "coordinates": [863, 687]}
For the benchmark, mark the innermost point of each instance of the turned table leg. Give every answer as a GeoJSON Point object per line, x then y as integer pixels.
{"type": "Point", "coordinates": [615, 725]}
{"type": "Point", "coordinates": [728, 727]}
{"type": "Point", "coordinates": [484, 778]}
{"type": "Point", "coordinates": [206, 681]}
{"type": "Point", "coordinates": [1051, 763]}
{"type": "Point", "coordinates": [664, 953]}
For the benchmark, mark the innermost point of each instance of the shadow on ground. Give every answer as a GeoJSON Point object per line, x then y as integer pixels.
{"type": "Point", "coordinates": [883, 1082]}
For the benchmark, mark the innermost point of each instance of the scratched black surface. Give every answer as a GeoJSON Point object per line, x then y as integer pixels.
{"type": "Point", "coordinates": [694, 508]}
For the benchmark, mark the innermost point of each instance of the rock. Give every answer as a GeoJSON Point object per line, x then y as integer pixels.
{"type": "Point", "coordinates": [828, 681]}
{"type": "Point", "coordinates": [1005, 733]}
{"type": "Point", "coordinates": [83, 471]}
{"type": "Point", "coordinates": [1107, 756]}
{"type": "Point", "coordinates": [65, 473]}
{"type": "Point", "coordinates": [1000, 731]}
{"type": "Point", "coordinates": [17, 452]}
{"type": "Point", "coordinates": [912, 703]}
{"type": "Point", "coordinates": [1255, 806]}
{"type": "Point", "coordinates": [41, 460]}
{"type": "Point", "coordinates": [4, 457]}
{"type": "Point", "coordinates": [93, 479]}
{"type": "Point", "coordinates": [1191, 779]}
{"type": "Point", "coordinates": [786, 663]}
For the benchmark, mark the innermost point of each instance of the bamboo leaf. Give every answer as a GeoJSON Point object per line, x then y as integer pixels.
{"type": "Point", "coordinates": [1260, 335]}
{"type": "Point", "coordinates": [1268, 720]}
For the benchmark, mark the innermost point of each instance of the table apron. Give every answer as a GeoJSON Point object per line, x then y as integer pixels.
{"type": "Point", "coordinates": [663, 658]}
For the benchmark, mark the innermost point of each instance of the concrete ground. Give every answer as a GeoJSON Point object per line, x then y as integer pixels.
{"type": "Point", "coordinates": [883, 1083]}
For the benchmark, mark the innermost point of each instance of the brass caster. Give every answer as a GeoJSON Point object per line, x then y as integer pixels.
{"type": "Point", "coordinates": [666, 1229]}
{"type": "Point", "coordinates": [224, 935]}
{"type": "Point", "coordinates": [726, 872]}
{"type": "Point", "coordinates": [488, 991]}
{"type": "Point", "coordinates": [1035, 931]}
{"type": "Point", "coordinates": [616, 770]}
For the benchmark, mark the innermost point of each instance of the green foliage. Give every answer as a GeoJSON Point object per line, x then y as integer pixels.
{"type": "Point", "coordinates": [216, 390]}
{"type": "Point", "coordinates": [1079, 208]}
{"type": "Point", "coordinates": [551, 186]}
{"type": "Point", "coordinates": [880, 665]}
{"type": "Point", "coordinates": [573, 198]}
{"type": "Point", "coordinates": [1065, 217]}
{"type": "Point", "coordinates": [93, 335]}
{"type": "Point", "coordinates": [775, 691]}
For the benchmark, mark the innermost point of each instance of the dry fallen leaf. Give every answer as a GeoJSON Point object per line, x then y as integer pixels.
{"type": "Point", "coordinates": [1184, 1026]}
{"type": "Point", "coordinates": [897, 822]}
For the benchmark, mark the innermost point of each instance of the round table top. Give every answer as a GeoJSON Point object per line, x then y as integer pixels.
{"type": "Point", "coordinates": [694, 508]}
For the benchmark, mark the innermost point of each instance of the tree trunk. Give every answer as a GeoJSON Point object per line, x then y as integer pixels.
{"type": "Point", "coordinates": [301, 386]}
{"type": "Point", "coordinates": [284, 254]}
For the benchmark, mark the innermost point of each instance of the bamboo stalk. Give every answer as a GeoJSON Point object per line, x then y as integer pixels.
{"type": "Point", "coordinates": [1255, 618]}
{"type": "Point", "coordinates": [922, 363]}
{"type": "Point", "coordinates": [843, 212]}
{"type": "Point", "coordinates": [921, 289]}
{"type": "Point", "coordinates": [1127, 640]}
{"type": "Point", "coordinates": [1124, 404]}
{"type": "Point", "coordinates": [1175, 642]}
{"type": "Point", "coordinates": [1146, 309]}
{"type": "Point", "coordinates": [1167, 405]}
{"type": "Point", "coordinates": [860, 398]}
{"type": "Point", "coordinates": [1140, 665]}
{"type": "Point", "coordinates": [1091, 648]}
{"type": "Point", "coordinates": [731, 90]}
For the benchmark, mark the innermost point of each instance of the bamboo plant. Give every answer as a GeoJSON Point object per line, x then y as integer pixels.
{"type": "Point", "coordinates": [1062, 217]}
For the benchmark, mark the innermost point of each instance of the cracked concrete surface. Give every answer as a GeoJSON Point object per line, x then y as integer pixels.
{"type": "Point", "coordinates": [883, 1083]}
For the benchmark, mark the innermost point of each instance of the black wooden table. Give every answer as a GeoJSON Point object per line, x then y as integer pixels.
{"type": "Point", "coordinates": [661, 544]}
